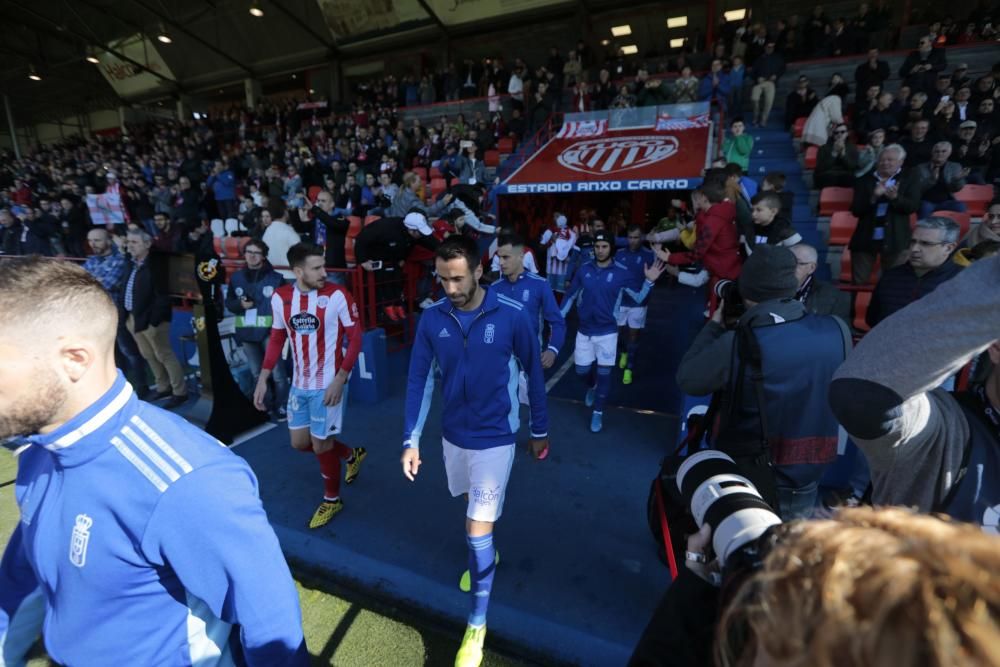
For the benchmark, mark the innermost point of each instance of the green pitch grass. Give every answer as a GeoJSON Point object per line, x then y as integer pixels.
{"type": "Point", "coordinates": [342, 628]}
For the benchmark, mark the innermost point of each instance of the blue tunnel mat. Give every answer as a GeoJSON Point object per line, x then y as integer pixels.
{"type": "Point", "coordinates": [579, 575]}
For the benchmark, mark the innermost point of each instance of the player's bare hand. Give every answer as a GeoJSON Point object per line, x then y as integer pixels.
{"type": "Point", "coordinates": [411, 462]}
{"type": "Point", "coordinates": [259, 392]}
{"type": "Point", "coordinates": [539, 448]}
{"type": "Point", "coordinates": [334, 392]}
{"type": "Point", "coordinates": [548, 358]}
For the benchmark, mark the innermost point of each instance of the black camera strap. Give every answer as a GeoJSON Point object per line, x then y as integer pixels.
{"type": "Point", "coordinates": [762, 471]}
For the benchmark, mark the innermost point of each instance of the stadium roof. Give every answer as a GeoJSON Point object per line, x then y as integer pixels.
{"type": "Point", "coordinates": [217, 43]}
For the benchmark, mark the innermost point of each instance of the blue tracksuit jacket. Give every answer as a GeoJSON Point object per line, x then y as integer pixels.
{"type": "Point", "coordinates": [142, 541]}
{"type": "Point", "coordinates": [536, 294]}
{"type": "Point", "coordinates": [479, 374]}
{"type": "Point", "coordinates": [636, 263]}
{"type": "Point", "coordinates": [600, 291]}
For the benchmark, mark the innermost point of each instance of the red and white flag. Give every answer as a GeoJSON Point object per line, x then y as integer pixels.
{"type": "Point", "coordinates": [583, 128]}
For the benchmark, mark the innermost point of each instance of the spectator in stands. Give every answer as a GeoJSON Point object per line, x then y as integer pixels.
{"type": "Point", "coordinates": [842, 40]}
{"type": "Point", "coordinates": [789, 368]}
{"type": "Point", "coordinates": [715, 84]}
{"type": "Point", "coordinates": [767, 69]}
{"type": "Point", "coordinates": [756, 44]}
{"type": "Point", "coordinates": [872, 72]}
{"type": "Point", "coordinates": [624, 99]}
{"type": "Point", "coordinates": [382, 247]}
{"type": "Point", "coordinates": [737, 76]}
{"type": "Point", "coordinates": [919, 440]}
{"type": "Point", "coordinates": [939, 180]}
{"type": "Point", "coordinates": [921, 67]}
{"type": "Point", "coordinates": [816, 32]}
{"type": "Point", "coordinates": [943, 124]}
{"type": "Point", "coordinates": [942, 88]}
{"type": "Point", "coordinates": [988, 229]}
{"type": "Point", "coordinates": [738, 146]}
{"type": "Point", "coordinates": [829, 112]}
{"type": "Point", "coordinates": [963, 110]}
{"type": "Point", "coordinates": [985, 118]}
{"type": "Point", "coordinates": [581, 101]}
{"type": "Point", "coordinates": [686, 86]}
{"type": "Point", "coordinates": [472, 170]}
{"type": "Point", "coordinates": [335, 228]}
{"type": "Point", "coordinates": [249, 298]}
{"type": "Point", "coordinates": [837, 161]}
{"type": "Point", "coordinates": [883, 203]}
{"type": "Point", "coordinates": [408, 199]}
{"type": "Point", "coordinates": [769, 226]}
{"type": "Point", "coordinates": [148, 314]}
{"type": "Point", "coordinates": [279, 236]}
{"type": "Point", "coordinates": [774, 181]}
{"type": "Point", "coordinates": [960, 78]}
{"type": "Point", "coordinates": [916, 110]}
{"type": "Point", "coordinates": [800, 102]}
{"type": "Point", "coordinates": [819, 297]}
{"type": "Point", "coordinates": [868, 156]}
{"type": "Point", "coordinates": [186, 201]}
{"type": "Point", "coordinates": [603, 93]}
{"type": "Point", "coordinates": [222, 182]}
{"type": "Point", "coordinates": [918, 144]}
{"type": "Point", "coordinates": [169, 237]}
{"type": "Point", "coordinates": [934, 240]}
{"type": "Point", "coordinates": [882, 117]}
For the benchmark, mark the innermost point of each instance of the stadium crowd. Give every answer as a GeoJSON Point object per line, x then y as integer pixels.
{"type": "Point", "coordinates": [293, 173]}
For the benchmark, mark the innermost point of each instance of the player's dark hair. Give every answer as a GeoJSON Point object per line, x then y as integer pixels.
{"type": "Point", "coordinates": [768, 199]}
{"type": "Point", "coordinates": [733, 169]}
{"type": "Point", "coordinates": [299, 252]}
{"type": "Point", "coordinates": [634, 227]}
{"type": "Point", "coordinates": [276, 208]}
{"type": "Point", "coordinates": [513, 240]}
{"type": "Point", "coordinates": [457, 246]}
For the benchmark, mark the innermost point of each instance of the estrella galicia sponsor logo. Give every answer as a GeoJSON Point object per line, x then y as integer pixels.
{"type": "Point", "coordinates": [304, 323]}
{"type": "Point", "coordinates": [489, 333]}
{"type": "Point", "coordinates": [486, 497]}
{"type": "Point", "coordinates": [79, 540]}
{"type": "Point", "coordinates": [603, 156]}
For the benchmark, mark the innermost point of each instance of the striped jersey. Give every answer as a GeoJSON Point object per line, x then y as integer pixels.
{"type": "Point", "coordinates": [316, 322]}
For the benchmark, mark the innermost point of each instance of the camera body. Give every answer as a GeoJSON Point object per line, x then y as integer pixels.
{"type": "Point", "coordinates": [733, 306]}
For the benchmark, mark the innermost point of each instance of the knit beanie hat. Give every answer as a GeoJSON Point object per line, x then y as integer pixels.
{"type": "Point", "coordinates": [769, 273]}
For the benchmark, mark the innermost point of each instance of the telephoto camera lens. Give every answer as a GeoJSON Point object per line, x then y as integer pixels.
{"type": "Point", "coordinates": [711, 483]}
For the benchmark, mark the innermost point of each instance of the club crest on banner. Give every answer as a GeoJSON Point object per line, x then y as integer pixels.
{"type": "Point", "coordinates": [604, 156]}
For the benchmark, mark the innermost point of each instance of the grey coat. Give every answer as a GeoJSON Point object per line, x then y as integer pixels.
{"type": "Point", "coordinates": [952, 176]}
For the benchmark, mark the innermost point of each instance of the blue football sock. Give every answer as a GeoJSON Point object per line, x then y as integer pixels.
{"type": "Point", "coordinates": [603, 387]}
{"type": "Point", "coordinates": [631, 347]}
{"type": "Point", "coordinates": [586, 373]}
{"type": "Point", "coordinates": [482, 567]}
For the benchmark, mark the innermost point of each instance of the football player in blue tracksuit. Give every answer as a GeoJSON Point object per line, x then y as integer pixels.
{"type": "Point", "coordinates": [538, 298]}
{"type": "Point", "coordinates": [479, 339]}
{"type": "Point", "coordinates": [635, 257]}
{"type": "Point", "coordinates": [599, 286]}
{"type": "Point", "coordinates": [142, 540]}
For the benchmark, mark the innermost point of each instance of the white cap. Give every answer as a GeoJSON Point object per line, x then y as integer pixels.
{"type": "Point", "coordinates": [418, 222]}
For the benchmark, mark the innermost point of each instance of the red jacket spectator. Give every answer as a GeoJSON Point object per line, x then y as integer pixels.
{"type": "Point", "coordinates": [717, 245]}
{"type": "Point", "coordinates": [22, 195]}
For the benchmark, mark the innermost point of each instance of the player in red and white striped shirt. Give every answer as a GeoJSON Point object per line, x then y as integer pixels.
{"type": "Point", "coordinates": [316, 316]}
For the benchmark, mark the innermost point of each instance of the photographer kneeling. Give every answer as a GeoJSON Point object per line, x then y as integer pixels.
{"type": "Point", "coordinates": [770, 370]}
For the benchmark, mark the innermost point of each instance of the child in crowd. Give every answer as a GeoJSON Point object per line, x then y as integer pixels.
{"type": "Point", "coordinates": [738, 146]}
{"type": "Point", "coordinates": [770, 226]}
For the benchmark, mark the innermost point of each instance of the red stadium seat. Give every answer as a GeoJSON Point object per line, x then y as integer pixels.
{"type": "Point", "coordinates": [842, 226]}
{"type": "Point", "coordinates": [861, 302]}
{"type": "Point", "coordinates": [505, 145]}
{"type": "Point", "coordinates": [313, 192]}
{"type": "Point", "coordinates": [492, 158]}
{"type": "Point", "coordinates": [371, 218]}
{"type": "Point", "coordinates": [811, 153]}
{"type": "Point", "coordinates": [964, 220]}
{"type": "Point", "coordinates": [435, 173]}
{"type": "Point", "coordinates": [421, 172]}
{"type": "Point", "coordinates": [798, 127]}
{"type": "Point", "coordinates": [976, 197]}
{"type": "Point", "coordinates": [352, 232]}
{"type": "Point", "coordinates": [438, 185]}
{"type": "Point", "coordinates": [832, 200]}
